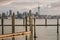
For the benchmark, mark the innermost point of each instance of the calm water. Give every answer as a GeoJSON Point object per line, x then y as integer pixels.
{"type": "Point", "coordinates": [43, 32]}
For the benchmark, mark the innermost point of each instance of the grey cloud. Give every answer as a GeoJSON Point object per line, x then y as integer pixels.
{"type": "Point", "coordinates": [4, 1]}
{"type": "Point", "coordinates": [57, 4]}
{"type": "Point", "coordinates": [25, 3]}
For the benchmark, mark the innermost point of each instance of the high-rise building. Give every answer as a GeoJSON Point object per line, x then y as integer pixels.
{"type": "Point", "coordinates": [10, 12]}
{"type": "Point", "coordinates": [4, 15]}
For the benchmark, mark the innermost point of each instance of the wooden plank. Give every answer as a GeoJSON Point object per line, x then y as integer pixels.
{"type": "Point", "coordinates": [15, 34]}
{"type": "Point", "coordinates": [33, 25]}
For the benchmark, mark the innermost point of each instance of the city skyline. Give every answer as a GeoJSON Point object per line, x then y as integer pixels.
{"type": "Point", "coordinates": [19, 5]}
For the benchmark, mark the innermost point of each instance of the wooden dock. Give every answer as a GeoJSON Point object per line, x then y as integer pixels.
{"type": "Point", "coordinates": [14, 35]}
{"type": "Point", "coordinates": [32, 28]}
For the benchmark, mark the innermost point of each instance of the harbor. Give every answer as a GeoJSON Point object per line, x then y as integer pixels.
{"type": "Point", "coordinates": [29, 19]}
{"type": "Point", "coordinates": [29, 23]}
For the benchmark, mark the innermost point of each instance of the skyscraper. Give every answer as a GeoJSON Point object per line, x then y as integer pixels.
{"type": "Point", "coordinates": [10, 12]}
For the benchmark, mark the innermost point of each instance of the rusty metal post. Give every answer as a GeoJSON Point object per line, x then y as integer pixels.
{"type": "Point", "coordinates": [34, 29]}
{"type": "Point", "coordinates": [13, 27]}
{"type": "Point", "coordinates": [57, 29]}
{"type": "Point", "coordinates": [31, 26]}
{"type": "Point", "coordinates": [2, 23]}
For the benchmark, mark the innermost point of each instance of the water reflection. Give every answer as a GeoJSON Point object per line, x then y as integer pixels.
{"type": "Point", "coordinates": [42, 32]}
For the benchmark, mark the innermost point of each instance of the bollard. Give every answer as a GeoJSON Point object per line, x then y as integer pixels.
{"type": "Point", "coordinates": [13, 27]}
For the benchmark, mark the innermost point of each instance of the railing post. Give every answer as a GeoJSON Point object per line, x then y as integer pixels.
{"type": "Point", "coordinates": [2, 23]}
{"type": "Point", "coordinates": [57, 29]}
{"type": "Point", "coordinates": [34, 29]}
{"type": "Point", "coordinates": [13, 27]}
{"type": "Point", "coordinates": [31, 27]}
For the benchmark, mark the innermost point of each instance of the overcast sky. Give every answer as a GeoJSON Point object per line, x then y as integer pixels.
{"type": "Point", "coordinates": [26, 3]}
{"type": "Point", "coordinates": [21, 4]}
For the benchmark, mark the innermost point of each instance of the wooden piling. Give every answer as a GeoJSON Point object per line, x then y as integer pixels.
{"type": "Point", "coordinates": [45, 21]}
{"type": "Point", "coordinates": [23, 21]}
{"type": "Point", "coordinates": [26, 28]}
{"type": "Point", "coordinates": [31, 27]}
{"type": "Point", "coordinates": [57, 25]}
{"type": "Point", "coordinates": [13, 27]}
{"type": "Point", "coordinates": [34, 29]}
{"type": "Point", "coordinates": [2, 23]}
{"type": "Point", "coordinates": [57, 29]}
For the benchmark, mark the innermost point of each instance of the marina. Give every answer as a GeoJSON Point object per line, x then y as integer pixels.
{"type": "Point", "coordinates": [30, 25]}
{"type": "Point", "coordinates": [29, 19]}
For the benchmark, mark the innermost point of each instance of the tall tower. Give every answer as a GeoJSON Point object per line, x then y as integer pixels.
{"type": "Point", "coordinates": [38, 7]}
